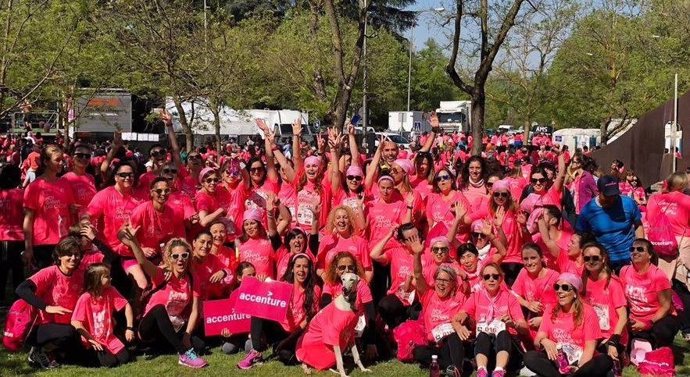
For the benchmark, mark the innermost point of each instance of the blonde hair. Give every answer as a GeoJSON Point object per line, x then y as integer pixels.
{"type": "Point", "coordinates": [167, 250]}
{"type": "Point", "coordinates": [677, 182]}
{"type": "Point", "coordinates": [330, 224]}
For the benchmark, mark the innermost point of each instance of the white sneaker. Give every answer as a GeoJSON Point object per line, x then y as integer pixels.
{"type": "Point", "coordinates": [527, 372]}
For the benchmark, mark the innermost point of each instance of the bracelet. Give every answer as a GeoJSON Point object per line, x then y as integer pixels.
{"type": "Point", "coordinates": [130, 328]}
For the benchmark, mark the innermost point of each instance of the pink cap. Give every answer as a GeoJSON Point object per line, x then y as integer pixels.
{"type": "Point", "coordinates": [204, 172]}
{"type": "Point", "coordinates": [312, 160]}
{"type": "Point", "coordinates": [501, 185]}
{"type": "Point", "coordinates": [253, 214]}
{"type": "Point", "coordinates": [405, 165]}
{"type": "Point", "coordinates": [439, 239]}
{"type": "Point", "coordinates": [477, 225]}
{"type": "Point", "coordinates": [571, 279]}
{"type": "Point", "coordinates": [354, 170]}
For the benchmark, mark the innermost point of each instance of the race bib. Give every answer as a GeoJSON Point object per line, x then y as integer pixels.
{"type": "Point", "coordinates": [361, 324]}
{"type": "Point", "coordinates": [603, 314]}
{"type": "Point", "coordinates": [441, 331]}
{"type": "Point", "coordinates": [407, 298]}
{"type": "Point", "coordinates": [492, 328]}
{"type": "Point", "coordinates": [572, 352]}
{"type": "Point", "coordinates": [304, 215]}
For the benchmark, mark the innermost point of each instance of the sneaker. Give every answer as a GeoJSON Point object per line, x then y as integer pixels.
{"type": "Point", "coordinates": [252, 358]}
{"type": "Point", "coordinates": [453, 371]}
{"type": "Point", "coordinates": [482, 372]}
{"type": "Point", "coordinates": [40, 359]}
{"type": "Point", "coordinates": [192, 360]}
{"type": "Point", "coordinates": [526, 372]}
{"type": "Point", "coordinates": [499, 373]}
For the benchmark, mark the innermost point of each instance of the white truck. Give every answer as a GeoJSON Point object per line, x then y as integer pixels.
{"type": "Point", "coordinates": [455, 116]}
{"type": "Point", "coordinates": [407, 122]}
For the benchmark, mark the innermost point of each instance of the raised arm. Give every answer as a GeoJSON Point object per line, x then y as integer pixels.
{"type": "Point", "coordinates": [550, 243]}
{"type": "Point", "coordinates": [285, 165]}
{"type": "Point", "coordinates": [269, 143]}
{"type": "Point", "coordinates": [435, 129]}
{"type": "Point", "coordinates": [335, 142]}
{"type": "Point", "coordinates": [297, 145]}
{"type": "Point", "coordinates": [352, 143]}
{"type": "Point", "coordinates": [373, 167]}
{"type": "Point", "coordinates": [105, 165]}
{"type": "Point", "coordinates": [560, 175]}
{"type": "Point", "coordinates": [415, 245]}
{"type": "Point", "coordinates": [166, 117]}
{"type": "Point", "coordinates": [128, 238]}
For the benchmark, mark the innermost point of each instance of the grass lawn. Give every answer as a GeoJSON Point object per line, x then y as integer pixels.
{"type": "Point", "coordinates": [223, 365]}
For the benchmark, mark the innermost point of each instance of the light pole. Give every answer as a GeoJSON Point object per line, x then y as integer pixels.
{"type": "Point", "coordinates": [365, 77]}
{"type": "Point", "coordinates": [410, 46]}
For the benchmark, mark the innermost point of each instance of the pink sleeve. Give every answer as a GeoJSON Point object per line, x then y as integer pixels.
{"type": "Point", "coordinates": [364, 253]}
{"type": "Point", "coordinates": [518, 285]}
{"type": "Point", "coordinates": [661, 282]}
{"type": "Point", "coordinates": [546, 324]}
{"type": "Point", "coordinates": [203, 203]}
{"type": "Point", "coordinates": [31, 196]}
{"type": "Point", "coordinates": [43, 279]}
{"type": "Point", "coordinates": [80, 309]}
{"type": "Point", "coordinates": [118, 301]}
{"type": "Point", "coordinates": [515, 308]}
{"type": "Point", "coordinates": [196, 284]}
{"type": "Point", "coordinates": [616, 294]}
{"type": "Point", "coordinates": [95, 208]}
{"type": "Point", "coordinates": [591, 332]}
{"type": "Point", "coordinates": [364, 292]}
{"type": "Point", "coordinates": [136, 218]}
{"type": "Point", "coordinates": [470, 306]}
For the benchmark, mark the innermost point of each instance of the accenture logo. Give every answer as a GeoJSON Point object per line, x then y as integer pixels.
{"type": "Point", "coordinates": [265, 300]}
{"type": "Point", "coordinates": [226, 318]}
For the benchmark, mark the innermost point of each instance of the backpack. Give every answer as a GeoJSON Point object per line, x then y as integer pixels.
{"type": "Point", "coordinates": [661, 236]}
{"type": "Point", "coordinates": [20, 320]}
{"type": "Point", "coordinates": [408, 335]}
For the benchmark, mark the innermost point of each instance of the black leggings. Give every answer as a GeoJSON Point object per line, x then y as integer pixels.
{"type": "Point", "coordinates": [683, 316]}
{"type": "Point", "coordinates": [265, 332]}
{"type": "Point", "coordinates": [156, 326]}
{"type": "Point", "coordinates": [450, 352]}
{"type": "Point", "coordinates": [60, 339]}
{"type": "Point", "coordinates": [661, 334]}
{"type": "Point", "coordinates": [539, 363]}
{"type": "Point", "coordinates": [43, 255]}
{"type": "Point", "coordinates": [392, 311]}
{"type": "Point", "coordinates": [108, 360]}
{"type": "Point", "coordinates": [511, 271]}
{"type": "Point", "coordinates": [11, 262]}
{"type": "Point", "coordinates": [488, 345]}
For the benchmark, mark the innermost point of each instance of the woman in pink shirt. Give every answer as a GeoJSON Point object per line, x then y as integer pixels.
{"type": "Point", "coordinates": [534, 286]}
{"type": "Point", "coordinates": [11, 232]}
{"type": "Point", "coordinates": [401, 171]}
{"type": "Point", "coordinates": [49, 208]}
{"type": "Point", "coordinates": [441, 206]}
{"type": "Point", "coordinates": [233, 192]}
{"type": "Point", "coordinates": [648, 292]}
{"type": "Point", "coordinates": [173, 310]}
{"type": "Point", "coordinates": [343, 235]}
{"type": "Point", "coordinates": [472, 182]}
{"type": "Point", "coordinates": [54, 291]}
{"type": "Point", "coordinates": [304, 304]}
{"type": "Point", "coordinates": [83, 184]}
{"type": "Point", "coordinates": [567, 337]}
{"type": "Point", "coordinates": [208, 199]}
{"type": "Point", "coordinates": [498, 318]}
{"type": "Point", "coordinates": [311, 193]}
{"type": "Point", "coordinates": [296, 242]}
{"type": "Point", "coordinates": [440, 302]}
{"type": "Point", "coordinates": [423, 181]}
{"type": "Point", "coordinates": [502, 214]}
{"type": "Point", "coordinates": [436, 255]}
{"type": "Point", "coordinates": [562, 246]}
{"type": "Point", "coordinates": [226, 254]}
{"type": "Point", "coordinates": [258, 246]}
{"type": "Point", "coordinates": [352, 193]}
{"type": "Point", "coordinates": [604, 292]}
{"type": "Point", "coordinates": [208, 268]}
{"type": "Point", "coordinates": [180, 201]}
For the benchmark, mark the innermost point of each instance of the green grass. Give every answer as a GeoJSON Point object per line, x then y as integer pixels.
{"type": "Point", "coordinates": [224, 365]}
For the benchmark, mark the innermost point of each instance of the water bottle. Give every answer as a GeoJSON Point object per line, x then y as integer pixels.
{"type": "Point", "coordinates": [434, 368]}
{"type": "Point", "coordinates": [562, 361]}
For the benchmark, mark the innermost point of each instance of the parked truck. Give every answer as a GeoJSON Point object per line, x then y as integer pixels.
{"type": "Point", "coordinates": [407, 122]}
{"type": "Point", "coordinates": [455, 116]}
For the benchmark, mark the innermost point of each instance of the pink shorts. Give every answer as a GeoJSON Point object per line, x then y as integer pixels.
{"type": "Point", "coordinates": [128, 263]}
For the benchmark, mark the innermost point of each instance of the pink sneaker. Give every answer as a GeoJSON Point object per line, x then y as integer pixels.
{"type": "Point", "coordinates": [192, 360]}
{"type": "Point", "coordinates": [498, 373]}
{"type": "Point", "coordinates": [252, 358]}
{"type": "Point", "coordinates": [482, 372]}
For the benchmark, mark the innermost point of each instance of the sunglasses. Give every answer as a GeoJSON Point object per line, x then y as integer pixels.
{"type": "Point", "coordinates": [491, 277]}
{"type": "Point", "coordinates": [125, 175]}
{"type": "Point", "coordinates": [75, 256]}
{"type": "Point", "coordinates": [158, 153]}
{"type": "Point", "coordinates": [442, 280]}
{"type": "Point", "coordinates": [562, 287]}
{"type": "Point", "coordinates": [195, 157]}
{"type": "Point", "coordinates": [212, 180]}
{"type": "Point", "coordinates": [593, 258]}
{"type": "Point", "coordinates": [577, 162]}
{"type": "Point", "coordinates": [395, 171]}
{"type": "Point", "coordinates": [539, 180]}
{"type": "Point", "coordinates": [162, 191]}
{"type": "Point", "coordinates": [354, 178]}
{"type": "Point", "coordinates": [82, 156]}
{"type": "Point", "coordinates": [501, 194]}
{"type": "Point", "coordinates": [637, 249]}
{"type": "Point", "coordinates": [348, 267]}
{"type": "Point", "coordinates": [439, 250]}
{"type": "Point", "coordinates": [232, 172]}
{"type": "Point", "coordinates": [489, 184]}
{"type": "Point", "coordinates": [256, 170]}
{"type": "Point", "coordinates": [182, 256]}
{"type": "Point", "coordinates": [440, 178]}
{"type": "Point", "coordinates": [478, 235]}
{"type": "Point", "coordinates": [169, 171]}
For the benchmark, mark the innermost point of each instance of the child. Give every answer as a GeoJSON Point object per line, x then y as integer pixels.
{"type": "Point", "coordinates": [93, 317]}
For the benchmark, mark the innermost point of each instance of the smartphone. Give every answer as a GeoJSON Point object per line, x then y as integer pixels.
{"type": "Point", "coordinates": [355, 119]}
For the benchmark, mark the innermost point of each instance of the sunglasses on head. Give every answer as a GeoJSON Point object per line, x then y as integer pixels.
{"type": "Point", "coordinates": [637, 249]}
{"type": "Point", "coordinates": [354, 178]}
{"type": "Point", "coordinates": [592, 258]}
{"type": "Point", "coordinates": [348, 267]}
{"type": "Point", "coordinates": [169, 171]}
{"type": "Point", "coordinates": [562, 287]}
{"type": "Point", "coordinates": [539, 180]}
{"type": "Point", "coordinates": [439, 250]}
{"type": "Point", "coordinates": [162, 191]}
{"type": "Point", "coordinates": [491, 276]}
{"type": "Point", "coordinates": [440, 178]}
{"type": "Point", "coordinates": [125, 175]}
{"type": "Point", "coordinates": [182, 256]}
{"type": "Point", "coordinates": [501, 194]}
{"type": "Point", "coordinates": [82, 156]}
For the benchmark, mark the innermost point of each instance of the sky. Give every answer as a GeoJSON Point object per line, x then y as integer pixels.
{"type": "Point", "coordinates": [425, 22]}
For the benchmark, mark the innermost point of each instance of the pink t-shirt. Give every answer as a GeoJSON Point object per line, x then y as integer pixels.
{"type": "Point", "coordinates": [96, 315]}
{"type": "Point", "coordinates": [288, 198]}
{"type": "Point", "coordinates": [402, 266]}
{"type": "Point", "coordinates": [422, 186]}
{"type": "Point", "coordinates": [296, 313]}
{"type": "Point", "coordinates": [382, 217]}
{"type": "Point", "coordinates": [181, 204]}
{"type": "Point", "coordinates": [233, 200]}
{"type": "Point", "coordinates": [562, 242]}
{"type": "Point", "coordinates": [204, 270]}
{"type": "Point", "coordinates": [331, 244]}
{"type": "Point", "coordinates": [330, 327]}
{"type": "Point", "coordinates": [676, 206]}
{"type": "Point", "coordinates": [438, 311]}
{"type": "Point", "coordinates": [484, 308]}
{"type": "Point", "coordinates": [307, 200]}
{"type": "Point", "coordinates": [538, 289]}
{"type": "Point", "coordinates": [156, 227]}
{"type": "Point", "coordinates": [50, 202]}
{"type": "Point", "coordinates": [90, 257]}
{"type": "Point", "coordinates": [58, 289]}
{"type": "Point", "coordinates": [259, 252]}
{"type": "Point", "coordinates": [207, 202]}
{"type": "Point", "coordinates": [83, 188]}
{"type": "Point", "coordinates": [605, 300]}
{"type": "Point", "coordinates": [176, 296]}
{"type": "Point", "coordinates": [642, 291]}
{"type": "Point", "coordinates": [476, 196]}
{"type": "Point", "coordinates": [110, 210]}
{"type": "Point", "coordinates": [257, 196]}
{"type": "Point", "coordinates": [562, 329]}
{"type": "Point", "coordinates": [11, 215]}
{"type": "Point", "coordinates": [439, 210]}
{"type": "Point", "coordinates": [364, 295]}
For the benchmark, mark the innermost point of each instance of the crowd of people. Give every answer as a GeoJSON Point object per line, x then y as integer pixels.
{"type": "Point", "coordinates": [524, 258]}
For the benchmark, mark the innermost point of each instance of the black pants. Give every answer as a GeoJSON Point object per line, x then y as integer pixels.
{"type": "Point", "coordinates": [10, 263]}
{"type": "Point", "coordinates": [265, 333]}
{"type": "Point", "coordinates": [489, 345]}
{"type": "Point", "coordinates": [60, 339]}
{"type": "Point", "coordinates": [43, 255]}
{"type": "Point", "coordinates": [661, 334]}
{"type": "Point", "coordinates": [109, 360]}
{"type": "Point", "coordinates": [380, 282]}
{"type": "Point", "coordinates": [450, 352]}
{"type": "Point", "coordinates": [539, 363]}
{"type": "Point", "coordinates": [683, 316]}
{"type": "Point", "coordinates": [511, 271]}
{"type": "Point", "coordinates": [392, 311]}
{"type": "Point", "coordinates": [156, 327]}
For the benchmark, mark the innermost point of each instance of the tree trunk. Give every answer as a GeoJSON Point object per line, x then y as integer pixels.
{"type": "Point", "coordinates": [215, 109]}
{"type": "Point", "coordinates": [526, 127]}
{"type": "Point", "coordinates": [478, 108]}
{"type": "Point", "coordinates": [188, 134]}
{"type": "Point", "coordinates": [603, 130]}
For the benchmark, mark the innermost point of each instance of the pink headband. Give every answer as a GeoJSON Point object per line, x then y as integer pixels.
{"type": "Point", "coordinates": [204, 172]}
{"type": "Point", "coordinates": [386, 178]}
{"type": "Point", "coordinates": [405, 165]}
{"type": "Point", "coordinates": [571, 279]}
{"type": "Point", "coordinates": [298, 255]}
{"type": "Point", "coordinates": [501, 185]}
{"type": "Point", "coordinates": [439, 239]}
{"type": "Point", "coordinates": [253, 214]}
{"type": "Point", "coordinates": [354, 170]}
{"type": "Point", "coordinates": [312, 160]}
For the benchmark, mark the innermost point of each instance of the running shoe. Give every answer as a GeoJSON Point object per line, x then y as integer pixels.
{"type": "Point", "coordinates": [252, 358]}
{"type": "Point", "coordinates": [192, 360]}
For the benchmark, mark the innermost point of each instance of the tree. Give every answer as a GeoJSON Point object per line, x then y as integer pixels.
{"type": "Point", "coordinates": [430, 83]}
{"type": "Point", "coordinates": [493, 25]}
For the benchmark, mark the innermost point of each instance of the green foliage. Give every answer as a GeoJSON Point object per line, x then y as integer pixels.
{"type": "Point", "coordinates": [430, 83]}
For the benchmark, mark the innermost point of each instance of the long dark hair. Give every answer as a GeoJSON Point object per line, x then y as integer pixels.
{"type": "Point", "coordinates": [606, 261]}
{"type": "Point", "coordinates": [309, 284]}
{"type": "Point", "coordinates": [249, 169]}
{"type": "Point", "coordinates": [466, 171]}
{"type": "Point", "coordinates": [421, 156]}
